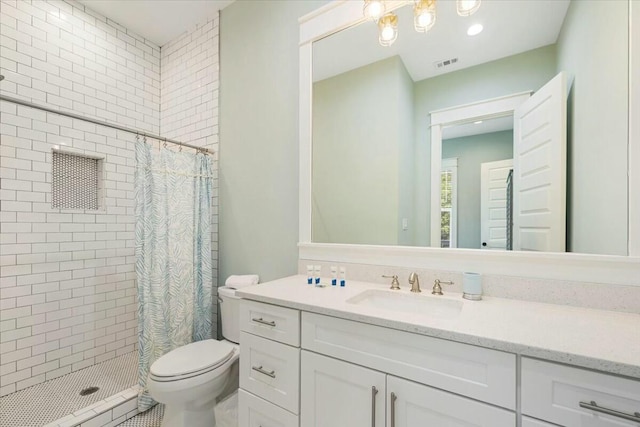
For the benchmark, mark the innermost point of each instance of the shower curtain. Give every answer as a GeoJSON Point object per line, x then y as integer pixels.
{"type": "Point", "coordinates": [173, 254]}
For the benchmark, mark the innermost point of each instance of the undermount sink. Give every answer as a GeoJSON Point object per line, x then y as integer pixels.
{"type": "Point", "coordinates": [426, 305]}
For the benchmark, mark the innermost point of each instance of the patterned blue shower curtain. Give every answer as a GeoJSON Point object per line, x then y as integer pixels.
{"type": "Point", "coordinates": [173, 254]}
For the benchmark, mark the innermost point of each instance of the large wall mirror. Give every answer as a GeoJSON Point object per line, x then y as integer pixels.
{"type": "Point", "coordinates": [376, 178]}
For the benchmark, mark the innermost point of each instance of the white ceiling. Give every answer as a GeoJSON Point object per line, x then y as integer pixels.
{"type": "Point", "coordinates": [510, 27]}
{"type": "Point", "coordinates": [159, 21]}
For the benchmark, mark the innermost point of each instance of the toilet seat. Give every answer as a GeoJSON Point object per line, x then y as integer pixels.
{"type": "Point", "coordinates": [191, 360]}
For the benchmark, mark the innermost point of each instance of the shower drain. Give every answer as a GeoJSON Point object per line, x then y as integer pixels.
{"type": "Point", "coordinates": [89, 390]}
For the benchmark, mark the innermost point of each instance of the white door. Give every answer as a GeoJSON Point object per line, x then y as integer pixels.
{"type": "Point", "coordinates": [336, 393]}
{"type": "Point", "coordinates": [493, 203]}
{"type": "Point", "coordinates": [539, 160]}
{"type": "Point", "coordinates": [413, 405]}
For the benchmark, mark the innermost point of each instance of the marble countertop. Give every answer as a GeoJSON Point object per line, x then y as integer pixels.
{"type": "Point", "coordinates": [603, 340]}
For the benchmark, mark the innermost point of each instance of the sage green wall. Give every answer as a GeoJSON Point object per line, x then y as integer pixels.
{"type": "Point", "coordinates": [406, 158]}
{"type": "Point", "coordinates": [526, 71]}
{"type": "Point", "coordinates": [360, 137]}
{"type": "Point", "coordinates": [471, 152]}
{"type": "Point", "coordinates": [593, 47]}
{"type": "Point", "coordinates": [259, 137]}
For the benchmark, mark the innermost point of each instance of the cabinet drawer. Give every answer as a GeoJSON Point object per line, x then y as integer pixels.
{"type": "Point", "coordinates": [553, 392]}
{"type": "Point", "coordinates": [270, 321]}
{"type": "Point", "coordinates": [270, 370]}
{"type": "Point", "coordinates": [479, 373]}
{"type": "Point", "coordinates": [256, 412]}
{"type": "Point", "coordinates": [411, 404]}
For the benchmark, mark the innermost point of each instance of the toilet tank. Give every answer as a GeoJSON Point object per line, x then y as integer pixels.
{"type": "Point", "coordinates": [229, 313]}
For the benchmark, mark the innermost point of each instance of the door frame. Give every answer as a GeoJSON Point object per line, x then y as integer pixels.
{"type": "Point", "coordinates": [481, 110]}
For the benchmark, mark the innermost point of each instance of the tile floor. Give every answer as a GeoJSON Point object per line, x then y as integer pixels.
{"type": "Point", "coordinates": [46, 402]}
{"type": "Point", "coordinates": [226, 415]}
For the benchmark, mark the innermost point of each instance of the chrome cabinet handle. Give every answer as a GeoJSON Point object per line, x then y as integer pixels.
{"type": "Point", "coordinates": [393, 409]}
{"type": "Point", "coordinates": [374, 391]}
{"type": "Point", "coordinates": [264, 322]}
{"type": "Point", "coordinates": [594, 407]}
{"type": "Point", "coordinates": [271, 374]}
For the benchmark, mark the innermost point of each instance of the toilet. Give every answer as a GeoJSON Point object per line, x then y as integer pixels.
{"type": "Point", "coordinates": [191, 379]}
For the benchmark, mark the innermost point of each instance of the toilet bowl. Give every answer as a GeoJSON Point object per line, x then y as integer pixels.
{"type": "Point", "coordinates": [191, 379]}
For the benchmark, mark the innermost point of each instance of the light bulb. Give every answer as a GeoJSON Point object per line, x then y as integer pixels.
{"type": "Point", "coordinates": [425, 19]}
{"type": "Point", "coordinates": [387, 33]}
{"type": "Point", "coordinates": [467, 7]}
{"type": "Point", "coordinates": [388, 27]}
{"type": "Point", "coordinates": [373, 9]}
{"type": "Point", "coordinates": [475, 29]}
{"type": "Point", "coordinates": [424, 15]}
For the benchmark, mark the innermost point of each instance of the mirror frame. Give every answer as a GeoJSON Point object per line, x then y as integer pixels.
{"type": "Point", "coordinates": [612, 269]}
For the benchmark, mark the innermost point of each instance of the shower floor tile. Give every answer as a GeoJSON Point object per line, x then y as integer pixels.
{"type": "Point", "coordinates": [150, 418]}
{"type": "Point", "coordinates": [49, 401]}
{"type": "Point", "coordinates": [226, 415]}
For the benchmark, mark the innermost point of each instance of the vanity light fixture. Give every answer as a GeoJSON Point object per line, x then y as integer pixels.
{"type": "Point", "coordinates": [373, 9]}
{"type": "Point", "coordinates": [424, 15]}
{"type": "Point", "coordinates": [388, 29]}
{"type": "Point", "coordinates": [467, 7]}
{"type": "Point", "coordinates": [475, 29]}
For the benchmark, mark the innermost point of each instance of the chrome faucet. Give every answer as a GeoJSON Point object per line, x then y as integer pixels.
{"type": "Point", "coordinates": [437, 289]}
{"type": "Point", "coordinates": [414, 282]}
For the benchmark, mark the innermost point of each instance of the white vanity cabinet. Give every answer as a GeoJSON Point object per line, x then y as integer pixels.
{"type": "Point", "coordinates": [301, 369]}
{"type": "Point", "coordinates": [269, 392]}
{"type": "Point", "coordinates": [404, 379]}
{"type": "Point", "coordinates": [575, 397]}
{"type": "Point", "coordinates": [337, 393]}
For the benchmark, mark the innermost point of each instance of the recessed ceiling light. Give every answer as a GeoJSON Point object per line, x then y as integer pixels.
{"type": "Point", "coordinates": [478, 122]}
{"type": "Point", "coordinates": [475, 29]}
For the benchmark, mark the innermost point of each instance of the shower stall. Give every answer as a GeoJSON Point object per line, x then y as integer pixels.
{"type": "Point", "coordinates": [76, 90]}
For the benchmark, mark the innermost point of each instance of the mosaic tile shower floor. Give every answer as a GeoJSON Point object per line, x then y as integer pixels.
{"type": "Point", "coordinates": [46, 402]}
{"type": "Point", "coordinates": [226, 415]}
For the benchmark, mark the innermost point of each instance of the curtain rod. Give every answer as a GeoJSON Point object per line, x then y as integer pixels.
{"type": "Point", "coordinates": [102, 123]}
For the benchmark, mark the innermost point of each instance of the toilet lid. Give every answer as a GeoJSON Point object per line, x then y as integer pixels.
{"type": "Point", "coordinates": [197, 356]}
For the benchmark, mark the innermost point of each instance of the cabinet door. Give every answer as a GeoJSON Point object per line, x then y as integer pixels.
{"type": "Point", "coordinates": [336, 393]}
{"type": "Point", "coordinates": [531, 422]}
{"type": "Point", "coordinates": [411, 405]}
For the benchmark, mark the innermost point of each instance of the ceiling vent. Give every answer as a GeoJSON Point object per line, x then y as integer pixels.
{"type": "Point", "coordinates": [445, 63]}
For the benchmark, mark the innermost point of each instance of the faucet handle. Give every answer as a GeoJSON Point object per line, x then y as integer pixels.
{"type": "Point", "coordinates": [395, 285]}
{"type": "Point", "coordinates": [437, 289]}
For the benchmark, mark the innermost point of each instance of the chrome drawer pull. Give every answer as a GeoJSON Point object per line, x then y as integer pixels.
{"type": "Point", "coordinates": [374, 391]}
{"type": "Point", "coordinates": [393, 409]}
{"type": "Point", "coordinates": [271, 374]}
{"type": "Point", "coordinates": [264, 322]}
{"type": "Point", "coordinates": [594, 407]}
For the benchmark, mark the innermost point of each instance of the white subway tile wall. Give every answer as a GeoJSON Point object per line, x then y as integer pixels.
{"type": "Point", "coordinates": [67, 281]}
{"type": "Point", "coordinates": [189, 105]}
